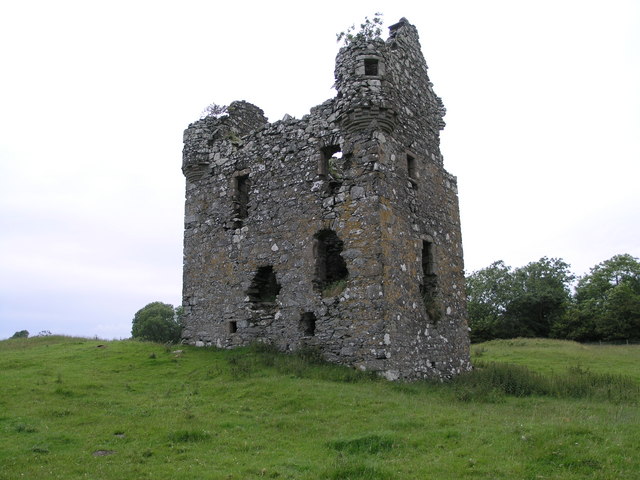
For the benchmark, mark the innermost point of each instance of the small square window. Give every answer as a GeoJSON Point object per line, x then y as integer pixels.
{"type": "Point", "coordinates": [371, 66]}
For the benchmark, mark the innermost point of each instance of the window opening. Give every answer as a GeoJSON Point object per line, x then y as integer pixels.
{"type": "Point", "coordinates": [411, 170]}
{"type": "Point", "coordinates": [371, 66]}
{"type": "Point", "coordinates": [264, 289]}
{"type": "Point", "coordinates": [331, 167]}
{"type": "Point", "coordinates": [428, 263]}
{"type": "Point", "coordinates": [233, 327]}
{"type": "Point", "coordinates": [429, 287]}
{"type": "Point", "coordinates": [241, 199]}
{"type": "Point", "coordinates": [328, 157]}
{"type": "Point", "coordinates": [331, 269]}
{"type": "Point", "coordinates": [308, 324]}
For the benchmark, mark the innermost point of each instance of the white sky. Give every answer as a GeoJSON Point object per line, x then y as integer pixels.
{"type": "Point", "coordinates": [543, 132]}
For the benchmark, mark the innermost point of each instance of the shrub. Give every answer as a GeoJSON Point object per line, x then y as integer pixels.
{"type": "Point", "coordinates": [214, 110]}
{"type": "Point", "coordinates": [157, 322]}
{"type": "Point", "coordinates": [334, 288]}
{"type": "Point", "coordinates": [21, 334]}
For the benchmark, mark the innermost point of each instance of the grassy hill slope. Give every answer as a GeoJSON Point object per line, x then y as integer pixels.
{"type": "Point", "coordinates": [76, 408]}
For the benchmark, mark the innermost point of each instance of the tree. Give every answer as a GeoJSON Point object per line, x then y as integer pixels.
{"type": "Point", "coordinates": [21, 334]}
{"type": "Point", "coordinates": [541, 295]}
{"type": "Point", "coordinates": [157, 322]}
{"type": "Point", "coordinates": [488, 293]}
{"type": "Point", "coordinates": [525, 302]}
{"type": "Point", "coordinates": [607, 303]}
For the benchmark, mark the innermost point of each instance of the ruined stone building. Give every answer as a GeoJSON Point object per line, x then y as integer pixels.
{"type": "Point", "coordinates": [339, 231]}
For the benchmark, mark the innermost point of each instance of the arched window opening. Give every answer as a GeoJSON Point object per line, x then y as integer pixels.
{"type": "Point", "coordinates": [264, 289]}
{"type": "Point", "coordinates": [331, 269]}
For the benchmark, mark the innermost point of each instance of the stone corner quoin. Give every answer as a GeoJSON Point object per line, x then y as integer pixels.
{"type": "Point", "coordinates": [339, 231]}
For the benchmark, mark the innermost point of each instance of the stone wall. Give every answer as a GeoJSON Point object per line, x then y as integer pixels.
{"type": "Point", "coordinates": [339, 230]}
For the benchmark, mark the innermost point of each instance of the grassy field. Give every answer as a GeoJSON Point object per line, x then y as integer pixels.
{"type": "Point", "coordinates": [553, 356]}
{"type": "Point", "coordinates": [75, 408]}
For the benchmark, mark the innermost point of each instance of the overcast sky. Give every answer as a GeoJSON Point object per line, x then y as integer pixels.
{"type": "Point", "coordinates": [543, 132]}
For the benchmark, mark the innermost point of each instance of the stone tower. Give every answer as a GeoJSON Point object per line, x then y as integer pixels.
{"type": "Point", "coordinates": [339, 231]}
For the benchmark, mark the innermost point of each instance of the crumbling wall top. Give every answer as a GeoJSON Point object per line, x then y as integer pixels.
{"type": "Point", "coordinates": [241, 119]}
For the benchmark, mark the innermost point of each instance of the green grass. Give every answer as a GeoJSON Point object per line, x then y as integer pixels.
{"type": "Point", "coordinates": [76, 408]}
{"type": "Point", "coordinates": [552, 356]}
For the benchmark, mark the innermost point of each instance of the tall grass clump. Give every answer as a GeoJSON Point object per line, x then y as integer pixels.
{"type": "Point", "coordinates": [306, 362]}
{"type": "Point", "coordinates": [491, 381]}
{"type": "Point", "coordinates": [371, 444]}
{"type": "Point", "coordinates": [189, 436]}
{"type": "Point", "coordinates": [357, 471]}
{"type": "Point", "coordinates": [580, 383]}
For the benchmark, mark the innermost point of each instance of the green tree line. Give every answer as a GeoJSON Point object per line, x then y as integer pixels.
{"type": "Point", "coordinates": [544, 299]}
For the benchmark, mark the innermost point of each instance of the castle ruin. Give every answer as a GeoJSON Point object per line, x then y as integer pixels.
{"type": "Point", "coordinates": [338, 231]}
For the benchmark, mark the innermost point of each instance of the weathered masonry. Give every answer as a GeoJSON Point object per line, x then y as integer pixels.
{"type": "Point", "coordinates": [339, 230]}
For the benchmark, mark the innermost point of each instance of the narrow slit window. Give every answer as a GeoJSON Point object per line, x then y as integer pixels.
{"type": "Point", "coordinates": [371, 66]}
{"type": "Point", "coordinates": [242, 196]}
{"type": "Point", "coordinates": [429, 287]}
{"type": "Point", "coordinates": [428, 267]}
{"type": "Point", "coordinates": [412, 173]}
{"type": "Point", "coordinates": [233, 327]}
{"type": "Point", "coordinates": [411, 166]}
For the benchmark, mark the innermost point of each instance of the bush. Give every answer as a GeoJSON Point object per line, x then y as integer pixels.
{"type": "Point", "coordinates": [21, 334]}
{"type": "Point", "coordinates": [157, 322]}
{"type": "Point", "coordinates": [214, 110]}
